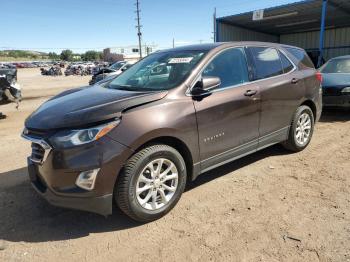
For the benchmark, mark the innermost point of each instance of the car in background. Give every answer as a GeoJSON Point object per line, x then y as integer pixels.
{"type": "Point", "coordinates": [114, 70]}
{"type": "Point", "coordinates": [336, 82]}
{"type": "Point", "coordinates": [24, 65]}
{"type": "Point", "coordinates": [10, 91]}
{"type": "Point", "coordinates": [7, 65]}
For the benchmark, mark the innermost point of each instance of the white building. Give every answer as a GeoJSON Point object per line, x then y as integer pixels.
{"type": "Point", "coordinates": [131, 53]}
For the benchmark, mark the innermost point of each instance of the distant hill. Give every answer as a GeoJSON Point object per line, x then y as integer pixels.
{"type": "Point", "coordinates": [24, 53]}
{"type": "Point", "coordinates": [27, 51]}
{"type": "Point", "coordinates": [15, 55]}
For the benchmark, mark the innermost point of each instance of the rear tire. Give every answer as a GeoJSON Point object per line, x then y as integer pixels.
{"type": "Point", "coordinates": [151, 183]}
{"type": "Point", "coordinates": [301, 130]}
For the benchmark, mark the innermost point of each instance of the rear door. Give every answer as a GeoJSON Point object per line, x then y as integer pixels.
{"type": "Point", "coordinates": [228, 118]}
{"type": "Point", "coordinates": [281, 89]}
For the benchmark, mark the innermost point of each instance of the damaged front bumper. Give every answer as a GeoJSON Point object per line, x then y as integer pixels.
{"type": "Point", "coordinates": [53, 173]}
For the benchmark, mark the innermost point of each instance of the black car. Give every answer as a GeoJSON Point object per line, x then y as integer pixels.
{"type": "Point", "coordinates": [336, 82]}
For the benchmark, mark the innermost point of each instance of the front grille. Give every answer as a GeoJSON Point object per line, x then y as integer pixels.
{"type": "Point", "coordinates": [38, 153]}
{"type": "Point", "coordinates": [40, 148]}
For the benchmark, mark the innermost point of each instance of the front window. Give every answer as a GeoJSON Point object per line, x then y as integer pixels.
{"type": "Point", "coordinates": [158, 71]}
{"type": "Point", "coordinates": [230, 66]}
{"type": "Point", "coordinates": [339, 65]}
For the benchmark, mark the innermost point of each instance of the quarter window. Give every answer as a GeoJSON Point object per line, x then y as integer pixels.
{"type": "Point", "coordinates": [301, 56]}
{"type": "Point", "coordinates": [267, 62]}
{"type": "Point", "coordinates": [230, 66]}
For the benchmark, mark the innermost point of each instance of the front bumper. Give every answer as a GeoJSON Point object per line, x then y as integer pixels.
{"type": "Point", "coordinates": [337, 101]}
{"type": "Point", "coordinates": [100, 205]}
{"type": "Point", "coordinates": [54, 178]}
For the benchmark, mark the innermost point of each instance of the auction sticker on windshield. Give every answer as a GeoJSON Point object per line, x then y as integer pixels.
{"type": "Point", "coordinates": [180, 60]}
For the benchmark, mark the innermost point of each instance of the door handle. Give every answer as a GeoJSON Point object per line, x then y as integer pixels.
{"type": "Point", "coordinates": [250, 92]}
{"type": "Point", "coordinates": [295, 81]}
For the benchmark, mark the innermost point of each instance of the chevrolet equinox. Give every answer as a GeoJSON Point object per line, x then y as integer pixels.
{"type": "Point", "coordinates": [136, 139]}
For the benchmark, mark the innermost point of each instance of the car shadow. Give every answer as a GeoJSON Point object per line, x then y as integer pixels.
{"type": "Point", "coordinates": [25, 216]}
{"type": "Point", "coordinates": [335, 115]}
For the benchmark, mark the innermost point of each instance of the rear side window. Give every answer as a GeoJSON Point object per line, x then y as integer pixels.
{"type": "Point", "coordinates": [267, 62]}
{"type": "Point", "coordinates": [301, 56]}
{"type": "Point", "coordinates": [230, 66]}
{"type": "Point", "coordinates": [286, 64]}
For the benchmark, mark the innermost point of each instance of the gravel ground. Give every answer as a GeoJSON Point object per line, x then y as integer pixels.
{"type": "Point", "coordinates": [269, 206]}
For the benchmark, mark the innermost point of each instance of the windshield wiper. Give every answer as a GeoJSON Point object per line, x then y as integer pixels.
{"type": "Point", "coordinates": [123, 87]}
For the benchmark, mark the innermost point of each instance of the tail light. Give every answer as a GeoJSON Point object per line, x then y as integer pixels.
{"type": "Point", "coordinates": [319, 77]}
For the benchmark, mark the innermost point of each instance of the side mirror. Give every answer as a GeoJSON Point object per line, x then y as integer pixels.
{"type": "Point", "coordinates": [206, 84]}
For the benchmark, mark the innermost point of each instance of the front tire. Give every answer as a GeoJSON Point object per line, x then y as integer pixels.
{"type": "Point", "coordinates": [151, 183]}
{"type": "Point", "coordinates": [301, 130]}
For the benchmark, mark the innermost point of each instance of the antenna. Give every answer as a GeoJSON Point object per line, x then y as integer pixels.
{"type": "Point", "coordinates": [139, 34]}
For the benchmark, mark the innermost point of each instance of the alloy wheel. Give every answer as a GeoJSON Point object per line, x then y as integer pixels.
{"type": "Point", "coordinates": [157, 184]}
{"type": "Point", "coordinates": [303, 129]}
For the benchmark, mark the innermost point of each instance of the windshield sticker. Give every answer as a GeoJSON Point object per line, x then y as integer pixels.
{"type": "Point", "coordinates": [180, 60]}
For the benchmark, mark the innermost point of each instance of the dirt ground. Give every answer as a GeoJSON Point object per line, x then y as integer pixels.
{"type": "Point", "coordinates": [270, 206]}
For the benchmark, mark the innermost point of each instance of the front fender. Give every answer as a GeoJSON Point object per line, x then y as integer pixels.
{"type": "Point", "coordinates": [163, 118]}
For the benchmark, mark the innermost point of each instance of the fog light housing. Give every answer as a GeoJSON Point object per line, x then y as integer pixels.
{"type": "Point", "coordinates": [86, 179]}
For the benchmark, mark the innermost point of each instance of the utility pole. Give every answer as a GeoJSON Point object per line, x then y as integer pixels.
{"type": "Point", "coordinates": [173, 42]}
{"type": "Point", "coordinates": [146, 49]}
{"type": "Point", "coordinates": [214, 24]}
{"type": "Point", "coordinates": [139, 34]}
{"type": "Point", "coordinates": [322, 32]}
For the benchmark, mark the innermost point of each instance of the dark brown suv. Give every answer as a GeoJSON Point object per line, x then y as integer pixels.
{"type": "Point", "coordinates": [138, 138]}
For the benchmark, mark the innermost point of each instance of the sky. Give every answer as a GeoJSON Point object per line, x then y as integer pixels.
{"type": "Point", "coordinates": [81, 25]}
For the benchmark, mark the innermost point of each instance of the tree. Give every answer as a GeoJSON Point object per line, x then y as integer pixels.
{"type": "Point", "coordinates": [67, 55]}
{"type": "Point", "coordinates": [91, 55]}
{"type": "Point", "coordinates": [100, 56]}
{"type": "Point", "coordinates": [54, 56]}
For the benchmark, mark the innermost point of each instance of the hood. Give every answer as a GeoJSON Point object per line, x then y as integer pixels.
{"type": "Point", "coordinates": [84, 106]}
{"type": "Point", "coordinates": [335, 80]}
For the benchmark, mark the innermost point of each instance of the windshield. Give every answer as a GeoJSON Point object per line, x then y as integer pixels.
{"type": "Point", "coordinates": [340, 65]}
{"type": "Point", "coordinates": [116, 66]}
{"type": "Point", "coordinates": [158, 71]}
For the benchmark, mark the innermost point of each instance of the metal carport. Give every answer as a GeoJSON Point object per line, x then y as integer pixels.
{"type": "Point", "coordinates": [322, 27]}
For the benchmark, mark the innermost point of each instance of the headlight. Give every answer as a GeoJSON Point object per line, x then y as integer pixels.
{"type": "Point", "coordinates": [68, 138]}
{"type": "Point", "coordinates": [346, 90]}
